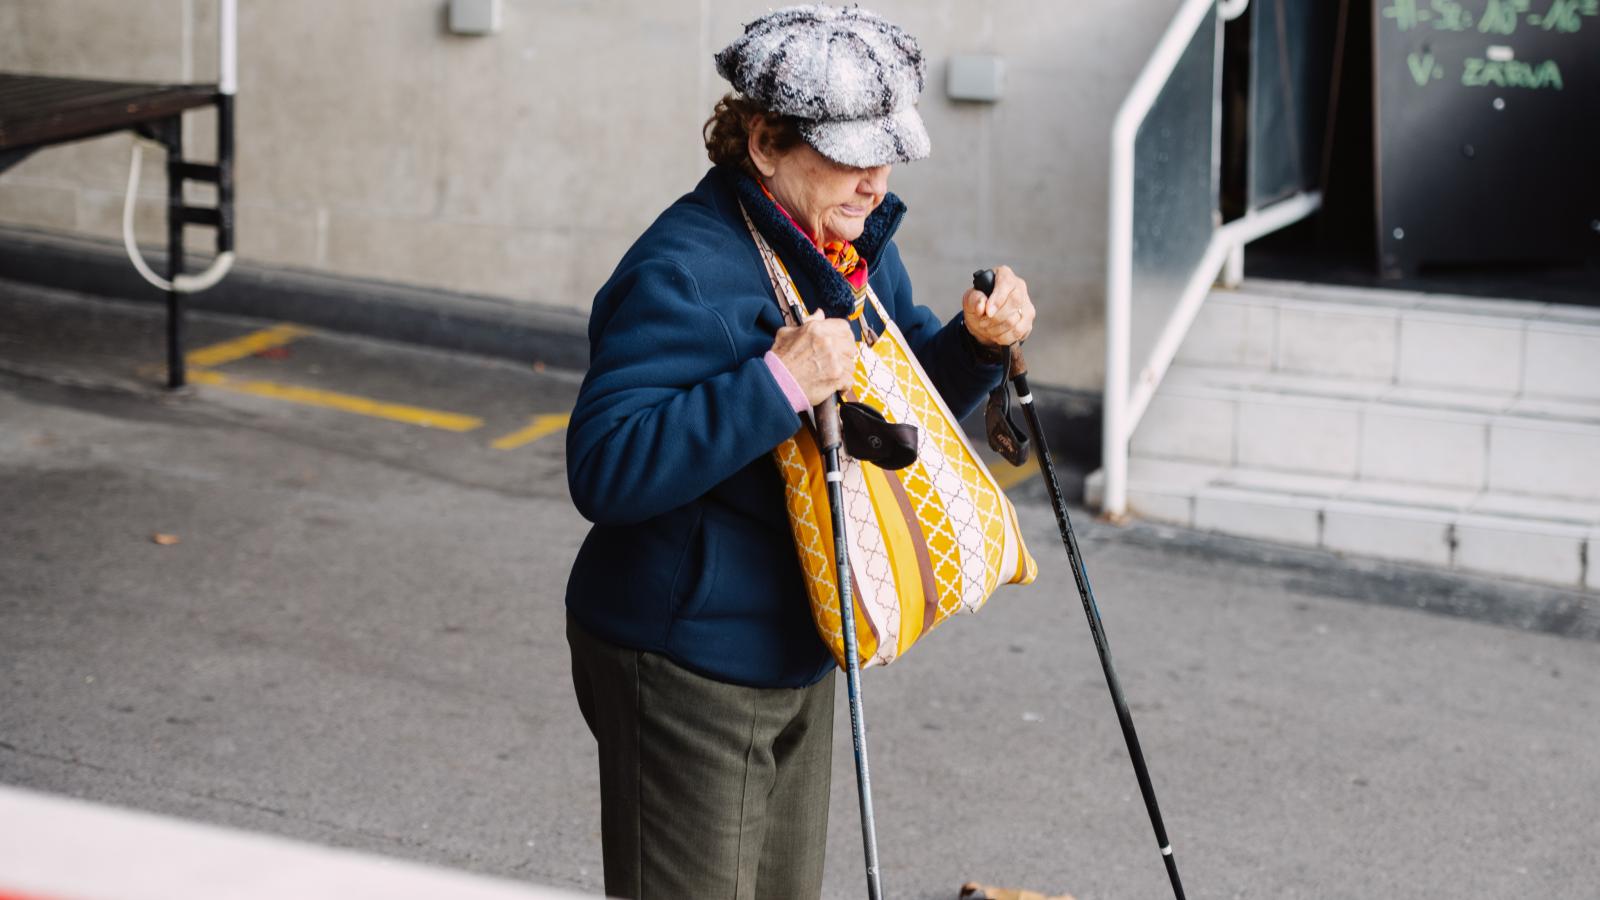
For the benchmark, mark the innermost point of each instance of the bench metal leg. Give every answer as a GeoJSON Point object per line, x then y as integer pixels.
{"type": "Point", "coordinates": [172, 136]}
{"type": "Point", "coordinates": [169, 133]}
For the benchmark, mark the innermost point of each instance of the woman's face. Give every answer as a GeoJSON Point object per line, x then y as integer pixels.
{"type": "Point", "coordinates": [830, 200]}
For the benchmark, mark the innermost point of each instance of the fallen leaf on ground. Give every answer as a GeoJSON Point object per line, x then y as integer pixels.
{"type": "Point", "coordinates": [165, 540]}
{"type": "Point", "coordinates": [975, 891]}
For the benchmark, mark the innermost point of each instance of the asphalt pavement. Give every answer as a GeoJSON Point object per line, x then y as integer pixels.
{"type": "Point", "coordinates": [319, 594]}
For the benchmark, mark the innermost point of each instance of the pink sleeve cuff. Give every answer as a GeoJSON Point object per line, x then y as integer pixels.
{"type": "Point", "coordinates": [791, 388]}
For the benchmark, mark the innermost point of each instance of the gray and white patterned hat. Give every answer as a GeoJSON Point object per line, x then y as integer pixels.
{"type": "Point", "coordinates": [849, 76]}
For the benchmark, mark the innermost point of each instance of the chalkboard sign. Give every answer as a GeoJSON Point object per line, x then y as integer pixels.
{"type": "Point", "coordinates": [1488, 131]}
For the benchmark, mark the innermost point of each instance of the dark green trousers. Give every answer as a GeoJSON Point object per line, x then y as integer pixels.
{"type": "Point", "coordinates": [708, 790]}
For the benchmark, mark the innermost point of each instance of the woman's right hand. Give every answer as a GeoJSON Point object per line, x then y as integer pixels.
{"type": "Point", "coordinates": [821, 355]}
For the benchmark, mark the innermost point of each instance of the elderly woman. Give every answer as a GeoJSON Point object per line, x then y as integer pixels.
{"type": "Point", "coordinates": [694, 658]}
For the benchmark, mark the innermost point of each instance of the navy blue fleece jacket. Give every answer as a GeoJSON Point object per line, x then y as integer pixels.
{"type": "Point", "coordinates": [669, 452]}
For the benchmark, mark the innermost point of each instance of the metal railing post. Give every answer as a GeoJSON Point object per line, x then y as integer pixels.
{"type": "Point", "coordinates": [1119, 247]}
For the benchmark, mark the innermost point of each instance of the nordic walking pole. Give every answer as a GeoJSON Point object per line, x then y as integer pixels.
{"type": "Point", "coordinates": [830, 437]}
{"type": "Point", "coordinates": [984, 281]}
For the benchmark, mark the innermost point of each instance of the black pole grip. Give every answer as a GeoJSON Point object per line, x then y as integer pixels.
{"type": "Point", "coordinates": [830, 433]}
{"type": "Point", "coordinates": [830, 430]}
{"type": "Point", "coordinates": [983, 281]}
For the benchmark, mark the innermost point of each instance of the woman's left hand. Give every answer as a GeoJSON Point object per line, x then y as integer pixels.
{"type": "Point", "coordinates": [1004, 317]}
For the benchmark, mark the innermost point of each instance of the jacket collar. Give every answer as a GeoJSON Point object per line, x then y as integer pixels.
{"type": "Point", "coordinates": [821, 286]}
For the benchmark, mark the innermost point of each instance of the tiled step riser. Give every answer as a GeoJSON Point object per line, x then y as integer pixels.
{"type": "Point", "coordinates": [1443, 431]}
{"type": "Point", "coordinates": [1420, 348]}
{"type": "Point", "coordinates": [1372, 441]}
{"type": "Point", "coordinates": [1549, 553]}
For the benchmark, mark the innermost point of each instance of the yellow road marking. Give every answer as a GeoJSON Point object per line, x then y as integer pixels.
{"type": "Point", "coordinates": [394, 412]}
{"type": "Point", "coordinates": [542, 426]}
{"type": "Point", "coordinates": [1009, 477]}
{"type": "Point", "coordinates": [249, 345]}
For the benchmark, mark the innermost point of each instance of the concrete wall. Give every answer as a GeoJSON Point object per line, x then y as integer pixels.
{"type": "Point", "coordinates": [374, 143]}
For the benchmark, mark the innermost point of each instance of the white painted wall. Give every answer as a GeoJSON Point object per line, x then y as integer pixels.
{"type": "Point", "coordinates": [374, 143]}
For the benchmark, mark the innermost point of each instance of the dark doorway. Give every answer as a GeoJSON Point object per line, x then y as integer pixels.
{"type": "Point", "coordinates": [1458, 154]}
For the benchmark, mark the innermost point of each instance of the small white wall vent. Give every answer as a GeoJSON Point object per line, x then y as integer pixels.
{"type": "Point", "coordinates": [976, 78]}
{"type": "Point", "coordinates": [475, 17]}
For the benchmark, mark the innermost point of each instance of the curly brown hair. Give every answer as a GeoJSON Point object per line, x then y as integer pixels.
{"type": "Point", "coordinates": [727, 132]}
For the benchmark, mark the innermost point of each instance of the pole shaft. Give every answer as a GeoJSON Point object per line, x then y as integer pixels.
{"type": "Point", "coordinates": [1080, 575]}
{"type": "Point", "coordinates": [847, 618]}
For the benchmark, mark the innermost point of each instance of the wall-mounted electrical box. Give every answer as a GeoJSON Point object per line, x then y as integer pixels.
{"type": "Point", "coordinates": [475, 17]}
{"type": "Point", "coordinates": [976, 78]}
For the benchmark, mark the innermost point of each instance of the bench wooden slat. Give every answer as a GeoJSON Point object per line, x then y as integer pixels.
{"type": "Point", "coordinates": [36, 110]}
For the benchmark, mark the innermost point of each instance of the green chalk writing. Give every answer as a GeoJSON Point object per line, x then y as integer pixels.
{"type": "Point", "coordinates": [1501, 16]}
{"type": "Point", "coordinates": [1562, 16]}
{"type": "Point", "coordinates": [1449, 15]}
{"type": "Point", "coordinates": [1496, 17]}
{"type": "Point", "coordinates": [1478, 72]}
{"type": "Point", "coordinates": [1405, 14]}
{"type": "Point", "coordinates": [1423, 68]}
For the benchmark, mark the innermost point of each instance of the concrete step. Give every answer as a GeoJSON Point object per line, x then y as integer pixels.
{"type": "Point", "coordinates": [1448, 431]}
{"type": "Point", "coordinates": [1540, 539]}
{"type": "Point", "coordinates": [1469, 439]}
{"type": "Point", "coordinates": [1400, 338]}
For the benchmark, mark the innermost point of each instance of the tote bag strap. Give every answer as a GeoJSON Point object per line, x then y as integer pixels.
{"type": "Point", "coordinates": [783, 289]}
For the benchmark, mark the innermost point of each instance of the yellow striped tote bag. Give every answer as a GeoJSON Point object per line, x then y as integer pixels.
{"type": "Point", "coordinates": [926, 542]}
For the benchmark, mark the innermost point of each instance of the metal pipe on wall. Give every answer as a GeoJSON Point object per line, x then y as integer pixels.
{"type": "Point", "coordinates": [228, 47]}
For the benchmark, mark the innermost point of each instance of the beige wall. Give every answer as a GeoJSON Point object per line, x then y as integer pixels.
{"type": "Point", "coordinates": [374, 143]}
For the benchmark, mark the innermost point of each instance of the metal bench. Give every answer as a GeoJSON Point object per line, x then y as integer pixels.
{"type": "Point", "coordinates": [40, 111]}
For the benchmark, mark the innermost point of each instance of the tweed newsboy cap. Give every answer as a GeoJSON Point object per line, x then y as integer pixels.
{"type": "Point", "coordinates": [849, 76]}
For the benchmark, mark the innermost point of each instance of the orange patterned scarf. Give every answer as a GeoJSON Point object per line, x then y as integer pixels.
{"type": "Point", "coordinates": [840, 254]}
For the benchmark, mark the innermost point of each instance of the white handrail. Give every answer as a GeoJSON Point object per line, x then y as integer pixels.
{"type": "Point", "coordinates": [1119, 243]}
{"type": "Point", "coordinates": [1228, 10]}
{"type": "Point", "coordinates": [1224, 241]}
{"type": "Point", "coordinates": [1122, 409]}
